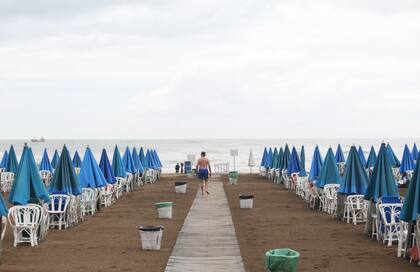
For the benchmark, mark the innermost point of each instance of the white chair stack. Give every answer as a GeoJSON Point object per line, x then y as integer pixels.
{"type": "Point", "coordinates": [88, 201]}
{"type": "Point", "coordinates": [25, 222]}
{"type": "Point", "coordinates": [389, 225]}
{"type": "Point", "coordinates": [57, 210]}
{"type": "Point", "coordinates": [330, 205]}
{"type": "Point", "coordinates": [7, 179]}
{"type": "Point", "coordinates": [355, 209]}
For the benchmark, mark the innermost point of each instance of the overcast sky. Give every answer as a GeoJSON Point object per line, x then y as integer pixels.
{"type": "Point", "coordinates": [209, 68]}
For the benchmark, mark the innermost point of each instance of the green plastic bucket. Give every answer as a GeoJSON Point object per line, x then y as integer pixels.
{"type": "Point", "coordinates": [233, 177]}
{"type": "Point", "coordinates": [284, 260]}
{"type": "Point", "coordinates": [163, 204]}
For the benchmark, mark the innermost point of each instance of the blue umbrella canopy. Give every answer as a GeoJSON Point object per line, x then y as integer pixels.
{"type": "Point", "coordinates": [155, 162]}
{"type": "Point", "coordinates": [45, 164]}
{"type": "Point", "coordinates": [64, 180]}
{"type": "Point", "coordinates": [275, 159]}
{"type": "Point", "coordinates": [392, 158]}
{"type": "Point", "coordinates": [142, 156]}
{"type": "Point", "coordinates": [268, 158]}
{"type": "Point", "coordinates": [128, 161]}
{"type": "Point", "coordinates": [28, 184]}
{"type": "Point", "coordinates": [4, 160]}
{"type": "Point", "coordinates": [12, 162]}
{"type": "Point", "coordinates": [117, 164]}
{"type": "Point", "coordinates": [90, 175]}
{"type": "Point", "coordinates": [382, 182]}
{"type": "Point", "coordinates": [329, 172]}
{"type": "Point", "coordinates": [411, 206]}
{"type": "Point", "coordinates": [77, 162]}
{"type": "Point", "coordinates": [280, 160]}
{"type": "Point", "coordinates": [149, 160]}
{"type": "Point", "coordinates": [136, 159]}
{"type": "Point", "coordinates": [157, 159]}
{"type": "Point", "coordinates": [372, 158]}
{"type": "Point", "coordinates": [3, 207]}
{"type": "Point", "coordinates": [339, 156]}
{"type": "Point", "coordinates": [407, 162]}
{"type": "Point", "coordinates": [55, 160]}
{"type": "Point", "coordinates": [316, 165]}
{"type": "Point", "coordinates": [355, 179]}
{"type": "Point", "coordinates": [361, 156]}
{"type": "Point", "coordinates": [302, 162]}
{"type": "Point", "coordinates": [264, 156]}
{"type": "Point", "coordinates": [286, 157]}
{"type": "Point", "coordinates": [294, 163]}
{"type": "Point", "coordinates": [415, 152]}
{"type": "Point", "coordinates": [106, 168]}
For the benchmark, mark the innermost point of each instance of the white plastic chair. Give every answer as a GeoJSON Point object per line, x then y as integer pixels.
{"type": "Point", "coordinates": [57, 210]}
{"type": "Point", "coordinates": [7, 179]}
{"type": "Point", "coordinates": [88, 201]}
{"type": "Point", "coordinates": [390, 213]}
{"type": "Point", "coordinates": [46, 177]}
{"type": "Point", "coordinates": [355, 209]}
{"type": "Point", "coordinates": [106, 194]}
{"type": "Point", "coordinates": [25, 221]}
{"type": "Point", "coordinates": [330, 191]}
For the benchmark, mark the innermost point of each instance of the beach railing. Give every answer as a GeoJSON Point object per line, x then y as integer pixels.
{"type": "Point", "coordinates": [221, 168]}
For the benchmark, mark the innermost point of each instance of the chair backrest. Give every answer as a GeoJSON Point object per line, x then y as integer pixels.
{"type": "Point", "coordinates": [88, 194]}
{"type": "Point", "coordinates": [7, 176]}
{"type": "Point", "coordinates": [356, 201]}
{"type": "Point", "coordinates": [58, 202]}
{"type": "Point", "coordinates": [390, 200]}
{"type": "Point", "coordinates": [390, 212]}
{"type": "Point", "coordinates": [25, 216]}
{"type": "Point", "coordinates": [331, 190]}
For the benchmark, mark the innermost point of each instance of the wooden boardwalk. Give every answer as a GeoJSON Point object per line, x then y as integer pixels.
{"type": "Point", "coordinates": [207, 240]}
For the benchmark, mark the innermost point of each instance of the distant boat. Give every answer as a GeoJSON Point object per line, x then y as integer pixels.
{"type": "Point", "coordinates": [35, 140]}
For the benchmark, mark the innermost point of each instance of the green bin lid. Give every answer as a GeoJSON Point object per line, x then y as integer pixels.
{"type": "Point", "coordinates": [163, 204]}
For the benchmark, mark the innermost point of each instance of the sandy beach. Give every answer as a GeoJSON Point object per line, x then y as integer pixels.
{"type": "Point", "coordinates": [280, 219]}
{"type": "Point", "coordinates": [109, 240]}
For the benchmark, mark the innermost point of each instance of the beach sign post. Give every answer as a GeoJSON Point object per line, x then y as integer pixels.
{"type": "Point", "coordinates": [251, 161]}
{"type": "Point", "coordinates": [234, 153]}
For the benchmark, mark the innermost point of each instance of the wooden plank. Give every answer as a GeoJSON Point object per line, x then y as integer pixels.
{"type": "Point", "coordinates": [207, 240]}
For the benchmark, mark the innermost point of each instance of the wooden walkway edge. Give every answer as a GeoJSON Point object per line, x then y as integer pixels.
{"type": "Point", "coordinates": [207, 240]}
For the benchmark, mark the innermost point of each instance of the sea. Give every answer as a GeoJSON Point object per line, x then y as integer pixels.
{"type": "Point", "coordinates": [172, 151]}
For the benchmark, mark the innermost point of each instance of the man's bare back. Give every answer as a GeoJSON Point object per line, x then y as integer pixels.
{"type": "Point", "coordinates": [203, 163]}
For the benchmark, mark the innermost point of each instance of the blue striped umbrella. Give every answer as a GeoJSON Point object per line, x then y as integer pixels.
{"type": "Point", "coordinates": [128, 162]}
{"type": "Point", "coordinates": [392, 158]}
{"type": "Point", "coordinates": [55, 160]}
{"type": "Point", "coordinates": [361, 156]}
{"type": "Point", "coordinates": [372, 158]}
{"type": "Point", "coordinates": [90, 175]}
{"type": "Point", "coordinates": [415, 152]}
{"type": "Point", "coordinates": [77, 162]}
{"type": "Point", "coordinates": [12, 161]}
{"type": "Point", "coordinates": [117, 164]}
{"type": "Point", "coordinates": [294, 163]}
{"type": "Point", "coordinates": [411, 206]}
{"type": "Point", "coordinates": [316, 165]}
{"type": "Point", "coordinates": [339, 156]}
{"type": "Point", "coordinates": [45, 164]}
{"type": "Point", "coordinates": [355, 179]}
{"type": "Point", "coordinates": [3, 163]}
{"type": "Point", "coordinates": [407, 162]}
{"type": "Point", "coordinates": [302, 162]}
{"type": "Point", "coordinates": [382, 182]}
{"type": "Point", "coordinates": [106, 168]}
{"type": "Point", "coordinates": [329, 171]}
{"type": "Point", "coordinates": [64, 180]}
{"type": "Point", "coordinates": [28, 184]}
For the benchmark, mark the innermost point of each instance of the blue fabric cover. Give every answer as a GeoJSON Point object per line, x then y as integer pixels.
{"type": "Point", "coordinates": [355, 179]}
{"type": "Point", "coordinates": [12, 162]}
{"type": "Point", "coordinates": [329, 171]}
{"type": "Point", "coordinates": [316, 165]}
{"type": "Point", "coordinates": [294, 163]}
{"type": "Point", "coordinates": [90, 175]}
{"type": "Point", "coordinates": [117, 164]}
{"type": "Point", "coordinates": [45, 164]}
{"type": "Point", "coordinates": [77, 161]}
{"type": "Point", "coordinates": [372, 158]}
{"type": "Point", "coordinates": [106, 168]}
{"type": "Point", "coordinates": [3, 163]}
{"type": "Point", "coordinates": [55, 160]}
{"type": "Point", "coordinates": [339, 156]}
{"type": "Point", "coordinates": [407, 162]}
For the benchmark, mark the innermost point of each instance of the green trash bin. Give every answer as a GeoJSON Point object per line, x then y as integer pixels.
{"type": "Point", "coordinates": [233, 177]}
{"type": "Point", "coordinates": [282, 260]}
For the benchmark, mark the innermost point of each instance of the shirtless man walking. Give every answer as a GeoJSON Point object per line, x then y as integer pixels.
{"type": "Point", "coordinates": [203, 171]}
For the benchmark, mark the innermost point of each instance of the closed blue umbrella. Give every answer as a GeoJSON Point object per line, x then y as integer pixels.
{"type": "Point", "coordinates": [142, 156]}
{"type": "Point", "coordinates": [45, 164]}
{"type": "Point", "coordinates": [372, 158]}
{"type": "Point", "coordinates": [12, 162]}
{"type": "Point", "coordinates": [77, 162]}
{"type": "Point", "coordinates": [55, 160]}
{"type": "Point", "coordinates": [329, 171]}
{"type": "Point", "coordinates": [128, 162]}
{"type": "Point", "coordinates": [275, 159]}
{"type": "Point", "coordinates": [361, 156]}
{"type": "Point", "coordinates": [286, 157]}
{"type": "Point", "coordinates": [294, 163]}
{"type": "Point", "coordinates": [407, 162]}
{"type": "Point", "coordinates": [280, 160]}
{"type": "Point", "coordinates": [90, 175]}
{"type": "Point", "coordinates": [117, 164]}
{"type": "Point", "coordinates": [382, 182]}
{"type": "Point", "coordinates": [392, 158]}
{"type": "Point", "coordinates": [64, 180]}
{"type": "Point", "coordinates": [355, 179]}
{"type": "Point", "coordinates": [302, 162]}
{"type": "Point", "coordinates": [136, 159]}
{"type": "Point", "coordinates": [339, 156]}
{"type": "Point", "coordinates": [316, 165]}
{"type": "Point", "coordinates": [3, 207]}
{"type": "Point", "coordinates": [158, 159]}
{"type": "Point", "coordinates": [415, 152]}
{"type": "Point", "coordinates": [106, 168]}
{"type": "Point", "coordinates": [269, 158]}
{"type": "Point", "coordinates": [3, 163]}
{"type": "Point", "coordinates": [263, 157]}
{"type": "Point", "coordinates": [28, 184]}
{"type": "Point", "coordinates": [149, 160]}
{"type": "Point", "coordinates": [411, 206]}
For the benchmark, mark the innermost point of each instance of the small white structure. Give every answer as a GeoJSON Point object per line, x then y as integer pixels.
{"type": "Point", "coordinates": [151, 237]}
{"type": "Point", "coordinates": [234, 153]}
{"type": "Point", "coordinates": [251, 160]}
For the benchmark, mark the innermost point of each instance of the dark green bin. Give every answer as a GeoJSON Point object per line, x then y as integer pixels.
{"type": "Point", "coordinates": [282, 260]}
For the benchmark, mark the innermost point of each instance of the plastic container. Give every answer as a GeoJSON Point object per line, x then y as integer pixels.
{"type": "Point", "coordinates": [181, 187]}
{"type": "Point", "coordinates": [284, 260]}
{"type": "Point", "coordinates": [233, 177]}
{"type": "Point", "coordinates": [246, 201]}
{"type": "Point", "coordinates": [164, 209]}
{"type": "Point", "coordinates": [151, 237]}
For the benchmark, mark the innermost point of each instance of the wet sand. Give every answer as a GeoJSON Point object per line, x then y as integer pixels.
{"type": "Point", "coordinates": [280, 219]}
{"type": "Point", "coordinates": [109, 240]}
